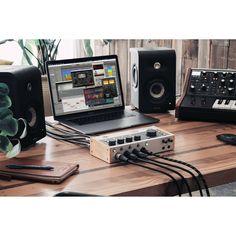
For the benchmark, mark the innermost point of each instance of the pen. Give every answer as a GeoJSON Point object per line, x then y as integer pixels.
{"type": "Point", "coordinates": [33, 167]}
{"type": "Point", "coordinates": [5, 177]}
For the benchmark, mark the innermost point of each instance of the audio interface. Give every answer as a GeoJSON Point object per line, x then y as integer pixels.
{"type": "Point", "coordinates": [209, 94]}
{"type": "Point", "coordinates": [156, 140]}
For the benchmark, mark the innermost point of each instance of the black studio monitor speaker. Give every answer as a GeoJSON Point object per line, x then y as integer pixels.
{"type": "Point", "coordinates": [25, 88]}
{"type": "Point", "coordinates": [153, 79]}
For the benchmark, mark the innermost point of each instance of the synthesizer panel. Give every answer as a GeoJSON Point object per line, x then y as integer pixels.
{"type": "Point", "coordinates": [209, 94]}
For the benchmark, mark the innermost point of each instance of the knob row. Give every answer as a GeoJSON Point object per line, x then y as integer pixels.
{"type": "Point", "coordinates": [129, 139]}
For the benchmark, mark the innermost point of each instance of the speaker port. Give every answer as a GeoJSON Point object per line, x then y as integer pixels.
{"type": "Point", "coordinates": [31, 117]}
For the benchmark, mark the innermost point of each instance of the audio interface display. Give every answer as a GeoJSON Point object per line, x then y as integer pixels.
{"type": "Point", "coordinates": [105, 147]}
{"type": "Point", "coordinates": [209, 94]}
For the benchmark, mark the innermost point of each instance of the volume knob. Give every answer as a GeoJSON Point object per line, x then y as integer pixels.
{"type": "Point", "coordinates": [151, 133]}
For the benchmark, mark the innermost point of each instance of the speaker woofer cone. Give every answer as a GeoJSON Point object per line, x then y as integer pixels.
{"type": "Point", "coordinates": [157, 90]}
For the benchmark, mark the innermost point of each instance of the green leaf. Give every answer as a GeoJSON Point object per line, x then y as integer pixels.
{"type": "Point", "coordinates": [5, 112]}
{"type": "Point", "coordinates": [15, 149]}
{"type": "Point", "coordinates": [6, 40]}
{"type": "Point", "coordinates": [5, 144]}
{"type": "Point", "coordinates": [29, 43]}
{"type": "Point", "coordinates": [4, 90]}
{"type": "Point", "coordinates": [5, 102]}
{"type": "Point", "coordinates": [9, 126]}
{"type": "Point", "coordinates": [87, 47]}
{"type": "Point", "coordinates": [26, 51]}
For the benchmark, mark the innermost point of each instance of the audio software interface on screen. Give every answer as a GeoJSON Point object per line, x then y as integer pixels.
{"type": "Point", "coordinates": [84, 86]}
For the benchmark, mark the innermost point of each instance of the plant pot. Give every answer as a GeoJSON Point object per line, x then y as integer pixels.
{"type": "Point", "coordinates": [46, 96]}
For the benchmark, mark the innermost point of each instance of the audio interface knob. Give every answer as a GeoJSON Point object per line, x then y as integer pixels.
{"type": "Point", "coordinates": [120, 141]}
{"type": "Point", "coordinates": [112, 142]}
{"type": "Point", "coordinates": [129, 139]}
{"type": "Point", "coordinates": [151, 133]}
{"type": "Point", "coordinates": [137, 138]}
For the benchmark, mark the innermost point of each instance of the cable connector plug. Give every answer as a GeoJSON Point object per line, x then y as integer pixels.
{"type": "Point", "coordinates": [130, 155]}
{"type": "Point", "coordinates": [140, 154]}
{"type": "Point", "coordinates": [121, 157]}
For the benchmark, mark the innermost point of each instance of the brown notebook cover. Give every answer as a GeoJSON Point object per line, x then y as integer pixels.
{"type": "Point", "coordinates": [60, 172]}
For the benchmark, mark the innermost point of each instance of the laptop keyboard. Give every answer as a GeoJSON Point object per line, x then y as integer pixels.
{"type": "Point", "coordinates": [100, 118]}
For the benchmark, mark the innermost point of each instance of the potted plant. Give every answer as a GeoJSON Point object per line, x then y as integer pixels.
{"type": "Point", "coordinates": [37, 52]}
{"type": "Point", "coordinates": [10, 128]}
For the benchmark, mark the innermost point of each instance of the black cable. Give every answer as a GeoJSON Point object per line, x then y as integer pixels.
{"type": "Point", "coordinates": [140, 157]}
{"type": "Point", "coordinates": [183, 163]}
{"type": "Point", "coordinates": [146, 156]}
{"type": "Point", "coordinates": [70, 136]}
{"type": "Point", "coordinates": [123, 158]}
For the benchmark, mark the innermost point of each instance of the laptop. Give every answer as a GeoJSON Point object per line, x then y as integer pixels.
{"type": "Point", "coordinates": [86, 95]}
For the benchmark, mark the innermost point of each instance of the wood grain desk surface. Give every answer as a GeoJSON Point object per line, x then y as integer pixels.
{"type": "Point", "coordinates": [195, 142]}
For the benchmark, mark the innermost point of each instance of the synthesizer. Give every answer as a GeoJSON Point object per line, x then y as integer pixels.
{"type": "Point", "coordinates": [208, 94]}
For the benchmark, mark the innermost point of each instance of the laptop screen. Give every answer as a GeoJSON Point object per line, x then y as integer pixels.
{"type": "Point", "coordinates": [81, 85]}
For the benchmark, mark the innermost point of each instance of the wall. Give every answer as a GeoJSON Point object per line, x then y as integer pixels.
{"type": "Point", "coordinates": [189, 53]}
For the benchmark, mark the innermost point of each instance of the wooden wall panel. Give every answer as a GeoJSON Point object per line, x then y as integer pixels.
{"type": "Point", "coordinates": [219, 51]}
{"type": "Point", "coordinates": [232, 54]}
{"type": "Point", "coordinates": [189, 56]}
{"type": "Point", "coordinates": [202, 53]}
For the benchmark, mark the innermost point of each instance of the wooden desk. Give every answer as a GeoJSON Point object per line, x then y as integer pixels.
{"type": "Point", "coordinates": [195, 143]}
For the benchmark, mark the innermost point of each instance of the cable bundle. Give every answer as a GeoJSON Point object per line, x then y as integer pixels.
{"type": "Point", "coordinates": [144, 156]}
{"type": "Point", "coordinates": [71, 136]}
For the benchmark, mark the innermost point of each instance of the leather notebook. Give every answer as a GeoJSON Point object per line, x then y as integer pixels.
{"type": "Point", "coordinates": [59, 172]}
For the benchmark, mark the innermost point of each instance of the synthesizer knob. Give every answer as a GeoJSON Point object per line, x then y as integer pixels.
{"type": "Point", "coordinates": [203, 87]}
{"type": "Point", "coordinates": [112, 142]}
{"type": "Point", "coordinates": [216, 75]}
{"type": "Point", "coordinates": [230, 90]}
{"type": "Point", "coordinates": [151, 133]}
{"type": "Point", "coordinates": [137, 138]}
{"type": "Point", "coordinates": [231, 82]}
{"type": "Point", "coordinates": [224, 74]}
{"type": "Point", "coordinates": [204, 73]}
{"type": "Point", "coordinates": [120, 141]}
{"type": "Point", "coordinates": [222, 82]}
{"type": "Point", "coordinates": [129, 139]}
{"type": "Point", "coordinates": [192, 87]}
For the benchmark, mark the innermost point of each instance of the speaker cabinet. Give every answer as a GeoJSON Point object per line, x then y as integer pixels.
{"type": "Point", "coordinates": [25, 87]}
{"type": "Point", "coordinates": [153, 79]}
